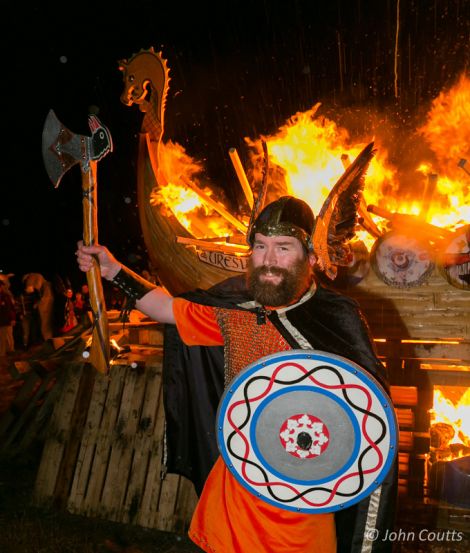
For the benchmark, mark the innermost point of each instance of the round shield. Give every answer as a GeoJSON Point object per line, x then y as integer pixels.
{"type": "Point", "coordinates": [454, 262]}
{"type": "Point", "coordinates": [307, 431]}
{"type": "Point", "coordinates": [400, 260]}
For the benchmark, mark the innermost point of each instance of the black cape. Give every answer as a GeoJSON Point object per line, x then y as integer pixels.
{"type": "Point", "coordinates": [193, 380]}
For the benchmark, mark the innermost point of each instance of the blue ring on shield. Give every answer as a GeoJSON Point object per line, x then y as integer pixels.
{"type": "Point", "coordinates": [307, 431]}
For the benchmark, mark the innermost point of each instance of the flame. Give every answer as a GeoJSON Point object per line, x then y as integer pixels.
{"type": "Point", "coordinates": [308, 154]}
{"type": "Point", "coordinates": [180, 200]}
{"type": "Point", "coordinates": [308, 150]}
{"type": "Point", "coordinates": [447, 131]}
{"type": "Point", "coordinates": [456, 415]}
{"type": "Point", "coordinates": [191, 212]}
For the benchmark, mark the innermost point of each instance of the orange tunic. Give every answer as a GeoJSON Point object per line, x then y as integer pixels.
{"type": "Point", "coordinates": [228, 518]}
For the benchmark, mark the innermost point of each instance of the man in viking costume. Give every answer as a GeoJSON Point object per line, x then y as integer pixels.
{"type": "Point", "coordinates": [210, 337]}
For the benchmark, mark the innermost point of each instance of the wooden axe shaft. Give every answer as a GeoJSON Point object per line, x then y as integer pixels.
{"type": "Point", "coordinates": [100, 347]}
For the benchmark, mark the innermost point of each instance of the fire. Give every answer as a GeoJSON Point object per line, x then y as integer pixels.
{"type": "Point", "coordinates": [181, 200]}
{"type": "Point", "coordinates": [181, 170]}
{"type": "Point", "coordinates": [309, 153]}
{"type": "Point", "coordinates": [447, 131]}
{"type": "Point", "coordinates": [455, 415]}
{"type": "Point", "coordinates": [309, 150]}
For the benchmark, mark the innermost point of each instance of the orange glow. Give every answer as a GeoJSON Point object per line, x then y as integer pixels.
{"type": "Point", "coordinates": [446, 342]}
{"type": "Point", "coordinates": [455, 414]}
{"type": "Point", "coordinates": [447, 131]}
{"type": "Point", "coordinates": [308, 151]}
{"type": "Point", "coordinates": [308, 154]}
{"type": "Point", "coordinates": [180, 169]}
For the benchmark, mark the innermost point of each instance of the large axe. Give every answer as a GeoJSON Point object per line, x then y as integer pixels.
{"type": "Point", "coordinates": [61, 150]}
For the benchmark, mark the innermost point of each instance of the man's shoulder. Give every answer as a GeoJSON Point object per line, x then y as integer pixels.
{"type": "Point", "coordinates": [327, 297]}
{"type": "Point", "coordinates": [228, 293]}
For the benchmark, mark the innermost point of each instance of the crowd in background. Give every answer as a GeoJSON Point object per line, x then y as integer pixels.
{"type": "Point", "coordinates": [33, 310]}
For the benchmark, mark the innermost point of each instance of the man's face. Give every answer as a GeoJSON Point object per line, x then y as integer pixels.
{"type": "Point", "coordinates": [279, 270]}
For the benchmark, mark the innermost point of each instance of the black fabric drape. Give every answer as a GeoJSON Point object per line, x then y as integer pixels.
{"type": "Point", "coordinates": [193, 385]}
{"type": "Point", "coordinates": [193, 382]}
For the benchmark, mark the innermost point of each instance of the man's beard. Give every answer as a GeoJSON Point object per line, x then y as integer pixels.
{"type": "Point", "coordinates": [293, 284]}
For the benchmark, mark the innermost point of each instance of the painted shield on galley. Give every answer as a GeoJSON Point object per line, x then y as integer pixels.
{"type": "Point", "coordinates": [307, 431]}
{"type": "Point", "coordinates": [454, 261]}
{"type": "Point", "coordinates": [402, 261]}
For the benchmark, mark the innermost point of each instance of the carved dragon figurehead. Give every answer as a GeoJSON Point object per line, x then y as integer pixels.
{"type": "Point", "coordinates": [146, 81]}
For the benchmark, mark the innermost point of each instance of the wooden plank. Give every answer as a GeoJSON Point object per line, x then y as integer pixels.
{"type": "Point", "coordinates": [403, 463]}
{"type": "Point", "coordinates": [167, 502]}
{"type": "Point", "coordinates": [116, 473]}
{"type": "Point", "coordinates": [148, 515]}
{"type": "Point", "coordinates": [36, 428]}
{"type": "Point", "coordinates": [23, 397]}
{"type": "Point", "coordinates": [405, 440]}
{"type": "Point", "coordinates": [405, 417]}
{"type": "Point", "coordinates": [145, 435]}
{"type": "Point", "coordinates": [436, 350]}
{"type": "Point", "coordinates": [459, 353]}
{"type": "Point", "coordinates": [402, 487]}
{"type": "Point", "coordinates": [434, 309]}
{"type": "Point", "coordinates": [404, 395]}
{"type": "Point", "coordinates": [78, 419]}
{"type": "Point", "coordinates": [185, 504]}
{"type": "Point", "coordinates": [117, 478]}
{"type": "Point", "coordinates": [20, 423]}
{"type": "Point", "coordinates": [58, 435]}
{"type": "Point", "coordinates": [102, 442]}
{"type": "Point", "coordinates": [80, 484]}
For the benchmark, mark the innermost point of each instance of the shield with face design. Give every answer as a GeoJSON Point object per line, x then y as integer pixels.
{"type": "Point", "coordinates": [402, 261]}
{"type": "Point", "coordinates": [454, 260]}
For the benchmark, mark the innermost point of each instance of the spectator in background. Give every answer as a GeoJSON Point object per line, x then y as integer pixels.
{"type": "Point", "coordinates": [79, 308]}
{"type": "Point", "coordinates": [29, 318]}
{"type": "Point", "coordinates": [65, 312]}
{"type": "Point", "coordinates": [7, 320]}
{"type": "Point", "coordinates": [85, 292]}
{"type": "Point", "coordinates": [70, 319]}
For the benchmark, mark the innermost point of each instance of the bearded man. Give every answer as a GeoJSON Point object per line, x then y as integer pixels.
{"type": "Point", "coordinates": [276, 307]}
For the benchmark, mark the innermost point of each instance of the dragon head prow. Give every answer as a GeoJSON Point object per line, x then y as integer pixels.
{"type": "Point", "coordinates": [145, 69]}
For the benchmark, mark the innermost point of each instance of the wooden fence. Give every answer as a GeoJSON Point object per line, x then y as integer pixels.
{"type": "Point", "coordinates": [104, 447]}
{"type": "Point", "coordinates": [104, 450]}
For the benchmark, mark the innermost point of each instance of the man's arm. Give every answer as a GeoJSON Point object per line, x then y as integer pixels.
{"type": "Point", "coordinates": [151, 300]}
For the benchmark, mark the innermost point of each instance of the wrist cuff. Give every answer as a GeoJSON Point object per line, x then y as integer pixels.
{"type": "Point", "coordinates": [134, 286]}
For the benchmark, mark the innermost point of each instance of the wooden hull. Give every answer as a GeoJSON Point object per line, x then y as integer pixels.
{"type": "Point", "coordinates": [178, 267]}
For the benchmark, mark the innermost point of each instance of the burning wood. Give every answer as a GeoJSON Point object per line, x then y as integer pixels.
{"type": "Point", "coordinates": [237, 164]}
{"type": "Point", "coordinates": [215, 205]}
{"type": "Point", "coordinates": [428, 195]}
{"type": "Point", "coordinates": [441, 435]}
{"type": "Point", "coordinates": [450, 445]}
{"type": "Point", "coordinates": [213, 246]}
{"type": "Point", "coordinates": [304, 161]}
{"type": "Point", "coordinates": [450, 426]}
{"type": "Point", "coordinates": [411, 224]}
{"type": "Point", "coordinates": [463, 165]}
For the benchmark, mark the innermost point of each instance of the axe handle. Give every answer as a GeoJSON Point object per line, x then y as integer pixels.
{"type": "Point", "coordinates": [100, 346]}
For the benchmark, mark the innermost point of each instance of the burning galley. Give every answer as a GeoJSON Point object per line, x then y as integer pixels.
{"type": "Point", "coordinates": [409, 265]}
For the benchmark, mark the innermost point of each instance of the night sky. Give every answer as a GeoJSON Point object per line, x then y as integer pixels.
{"type": "Point", "coordinates": [238, 69]}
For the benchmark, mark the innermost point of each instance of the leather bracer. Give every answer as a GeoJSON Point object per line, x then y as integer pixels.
{"type": "Point", "coordinates": [134, 286]}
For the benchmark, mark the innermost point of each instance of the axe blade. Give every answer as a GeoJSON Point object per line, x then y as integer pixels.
{"type": "Point", "coordinates": [61, 149]}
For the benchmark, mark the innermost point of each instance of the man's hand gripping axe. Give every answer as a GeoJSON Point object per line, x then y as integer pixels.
{"type": "Point", "coordinates": [61, 150]}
